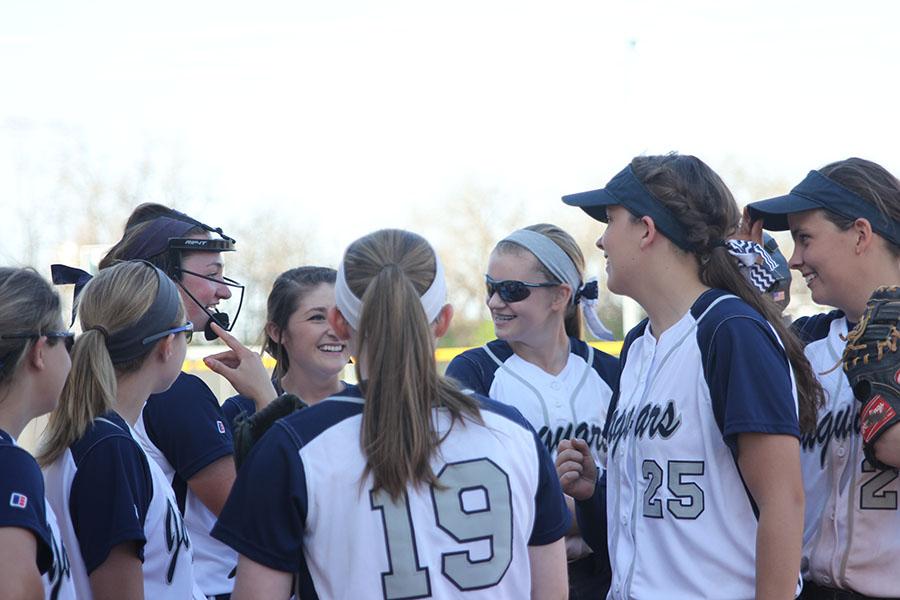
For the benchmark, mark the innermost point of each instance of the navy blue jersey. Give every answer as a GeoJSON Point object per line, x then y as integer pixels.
{"type": "Point", "coordinates": [301, 505]}
{"type": "Point", "coordinates": [237, 406]}
{"type": "Point", "coordinates": [22, 497]}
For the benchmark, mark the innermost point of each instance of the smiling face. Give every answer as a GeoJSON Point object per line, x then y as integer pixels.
{"type": "Point", "coordinates": [529, 319]}
{"type": "Point", "coordinates": [308, 339]}
{"type": "Point", "coordinates": [826, 257]}
{"type": "Point", "coordinates": [620, 243]}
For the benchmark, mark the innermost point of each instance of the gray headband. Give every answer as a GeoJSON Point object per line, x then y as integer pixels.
{"type": "Point", "coordinates": [550, 255]}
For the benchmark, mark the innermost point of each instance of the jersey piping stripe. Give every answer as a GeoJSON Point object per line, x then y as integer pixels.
{"type": "Point", "coordinates": [523, 381]}
{"type": "Point", "coordinates": [584, 375]}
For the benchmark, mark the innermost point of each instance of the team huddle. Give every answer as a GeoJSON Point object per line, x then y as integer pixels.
{"type": "Point", "coordinates": [725, 453]}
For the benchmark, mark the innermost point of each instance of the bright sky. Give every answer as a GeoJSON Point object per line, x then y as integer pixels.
{"type": "Point", "coordinates": [350, 114]}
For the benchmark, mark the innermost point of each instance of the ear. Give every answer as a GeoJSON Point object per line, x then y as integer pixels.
{"type": "Point", "coordinates": [649, 233]}
{"type": "Point", "coordinates": [166, 347]}
{"type": "Point", "coordinates": [273, 331]}
{"type": "Point", "coordinates": [338, 323]}
{"type": "Point", "coordinates": [442, 322]}
{"type": "Point", "coordinates": [864, 235]}
{"type": "Point", "coordinates": [563, 296]}
{"type": "Point", "coordinates": [37, 359]}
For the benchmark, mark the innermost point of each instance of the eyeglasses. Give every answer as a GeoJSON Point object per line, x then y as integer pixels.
{"type": "Point", "coordinates": [53, 337]}
{"type": "Point", "coordinates": [511, 290]}
{"type": "Point", "coordinates": [187, 328]}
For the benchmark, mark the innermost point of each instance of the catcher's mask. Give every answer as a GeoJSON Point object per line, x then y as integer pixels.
{"type": "Point", "coordinates": [176, 246]}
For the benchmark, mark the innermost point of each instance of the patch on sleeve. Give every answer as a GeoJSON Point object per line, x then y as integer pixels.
{"type": "Point", "coordinates": [17, 500]}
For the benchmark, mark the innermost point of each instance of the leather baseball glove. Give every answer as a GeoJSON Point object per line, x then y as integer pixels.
{"type": "Point", "coordinates": [872, 364]}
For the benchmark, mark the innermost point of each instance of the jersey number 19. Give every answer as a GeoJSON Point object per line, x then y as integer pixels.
{"type": "Point", "coordinates": [406, 579]}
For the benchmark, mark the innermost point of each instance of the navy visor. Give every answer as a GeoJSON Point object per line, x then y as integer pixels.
{"type": "Point", "coordinates": [819, 192]}
{"type": "Point", "coordinates": [626, 190]}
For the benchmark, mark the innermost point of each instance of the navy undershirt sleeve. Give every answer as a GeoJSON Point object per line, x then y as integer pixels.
{"type": "Point", "coordinates": [749, 381]}
{"type": "Point", "coordinates": [22, 500]}
{"type": "Point", "coordinates": [236, 406]}
{"type": "Point", "coordinates": [591, 517]}
{"type": "Point", "coordinates": [467, 373]}
{"type": "Point", "coordinates": [265, 515]}
{"type": "Point", "coordinates": [188, 426]}
{"type": "Point", "coordinates": [109, 499]}
{"type": "Point", "coordinates": [551, 515]}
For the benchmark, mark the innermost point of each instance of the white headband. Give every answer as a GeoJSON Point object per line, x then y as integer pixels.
{"type": "Point", "coordinates": [433, 300]}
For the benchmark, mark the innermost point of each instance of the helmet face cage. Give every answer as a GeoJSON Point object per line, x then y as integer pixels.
{"type": "Point", "coordinates": [222, 244]}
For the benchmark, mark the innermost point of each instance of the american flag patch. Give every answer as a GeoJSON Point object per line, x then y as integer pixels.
{"type": "Point", "coordinates": [220, 426]}
{"type": "Point", "coordinates": [17, 500]}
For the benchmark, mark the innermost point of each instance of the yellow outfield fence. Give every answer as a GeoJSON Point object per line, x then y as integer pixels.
{"type": "Point", "coordinates": [441, 355]}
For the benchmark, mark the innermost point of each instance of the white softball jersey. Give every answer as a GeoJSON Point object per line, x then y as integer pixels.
{"type": "Point", "coordinates": [105, 492]}
{"type": "Point", "coordinates": [682, 524]}
{"type": "Point", "coordinates": [851, 535]}
{"type": "Point", "coordinates": [572, 403]}
{"type": "Point", "coordinates": [301, 505]}
{"type": "Point", "coordinates": [183, 430]}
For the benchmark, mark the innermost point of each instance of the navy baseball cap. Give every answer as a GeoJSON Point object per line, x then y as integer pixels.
{"type": "Point", "coordinates": [626, 190]}
{"type": "Point", "coordinates": [817, 191]}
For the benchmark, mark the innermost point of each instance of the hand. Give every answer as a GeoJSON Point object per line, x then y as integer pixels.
{"type": "Point", "coordinates": [576, 469]}
{"type": "Point", "coordinates": [749, 230]}
{"type": "Point", "coordinates": [243, 368]}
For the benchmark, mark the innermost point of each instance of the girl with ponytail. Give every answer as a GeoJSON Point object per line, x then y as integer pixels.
{"type": "Point", "coordinates": [713, 393]}
{"type": "Point", "coordinates": [536, 292]}
{"type": "Point", "coordinates": [845, 221]}
{"type": "Point", "coordinates": [118, 515]}
{"type": "Point", "coordinates": [426, 491]}
{"type": "Point", "coordinates": [34, 362]}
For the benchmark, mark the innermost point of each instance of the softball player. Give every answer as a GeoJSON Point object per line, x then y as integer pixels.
{"type": "Point", "coordinates": [309, 358]}
{"type": "Point", "coordinates": [117, 513]}
{"type": "Point", "coordinates": [183, 429]}
{"type": "Point", "coordinates": [539, 364]}
{"type": "Point", "coordinates": [34, 362]}
{"type": "Point", "coordinates": [703, 464]}
{"type": "Point", "coordinates": [845, 220]}
{"type": "Point", "coordinates": [446, 494]}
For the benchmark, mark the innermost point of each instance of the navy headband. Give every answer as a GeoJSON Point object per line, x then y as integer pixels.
{"type": "Point", "coordinates": [154, 239]}
{"type": "Point", "coordinates": [626, 190]}
{"type": "Point", "coordinates": [128, 343]}
{"type": "Point", "coordinates": [817, 191]}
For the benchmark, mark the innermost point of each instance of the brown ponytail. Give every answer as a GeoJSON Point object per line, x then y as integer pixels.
{"type": "Point", "coordinates": [113, 300]}
{"type": "Point", "coordinates": [389, 270]}
{"type": "Point", "coordinates": [706, 209]}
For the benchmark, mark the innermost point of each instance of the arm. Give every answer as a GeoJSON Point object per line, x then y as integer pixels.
{"type": "Point", "coordinates": [120, 576]}
{"type": "Point", "coordinates": [243, 369]}
{"type": "Point", "coordinates": [212, 484]}
{"type": "Point", "coordinates": [18, 567]}
{"type": "Point", "coordinates": [549, 578]}
{"type": "Point", "coordinates": [887, 448]}
{"type": "Point", "coordinates": [770, 466]}
{"type": "Point", "coordinates": [258, 581]}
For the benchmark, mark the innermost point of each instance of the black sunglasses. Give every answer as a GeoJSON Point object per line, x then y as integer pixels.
{"type": "Point", "coordinates": [511, 290]}
{"type": "Point", "coordinates": [53, 337]}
